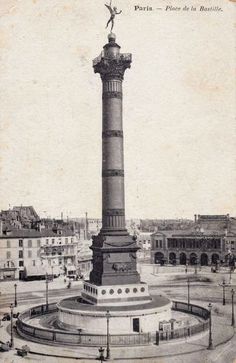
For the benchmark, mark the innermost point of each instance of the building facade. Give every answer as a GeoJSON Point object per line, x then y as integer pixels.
{"type": "Point", "coordinates": [84, 258]}
{"type": "Point", "coordinates": [208, 243]}
{"type": "Point", "coordinates": [28, 253]}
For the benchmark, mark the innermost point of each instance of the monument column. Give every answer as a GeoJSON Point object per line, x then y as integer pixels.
{"type": "Point", "coordinates": [114, 250]}
{"type": "Point", "coordinates": [111, 65]}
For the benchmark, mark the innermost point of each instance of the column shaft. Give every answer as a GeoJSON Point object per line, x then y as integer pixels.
{"type": "Point", "coordinates": [113, 203]}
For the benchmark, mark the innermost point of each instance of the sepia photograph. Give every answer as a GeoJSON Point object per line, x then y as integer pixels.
{"type": "Point", "coordinates": [117, 181]}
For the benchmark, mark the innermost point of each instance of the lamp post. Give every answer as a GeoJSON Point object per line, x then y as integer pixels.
{"type": "Point", "coordinates": [232, 296]}
{"type": "Point", "coordinates": [52, 273]}
{"type": "Point", "coordinates": [101, 354]}
{"type": "Point", "coordinates": [172, 327]}
{"type": "Point", "coordinates": [108, 315]}
{"type": "Point", "coordinates": [15, 286]}
{"type": "Point", "coordinates": [195, 266]}
{"type": "Point", "coordinates": [46, 281]}
{"type": "Point", "coordinates": [188, 284]}
{"type": "Point", "coordinates": [210, 345]}
{"type": "Point", "coordinates": [230, 275]}
{"type": "Point", "coordinates": [223, 287]}
{"type": "Point", "coordinates": [12, 338]}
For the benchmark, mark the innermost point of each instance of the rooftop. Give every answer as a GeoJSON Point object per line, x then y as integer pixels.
{"type": "Point", "coordinates": [32, 233]}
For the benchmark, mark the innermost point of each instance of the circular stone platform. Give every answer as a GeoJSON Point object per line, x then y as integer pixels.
{"type": "Point", "coordinates": [74, 313]}
{"type": "Point", "coordinates": [41, 323]}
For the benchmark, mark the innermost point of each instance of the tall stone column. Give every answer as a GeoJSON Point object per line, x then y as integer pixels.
{"type": "Point", "coordinates": [114, 250]}
{"type": "Point", "coordinates": [111, 65]}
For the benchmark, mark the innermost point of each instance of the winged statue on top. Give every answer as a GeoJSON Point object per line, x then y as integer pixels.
{"type": "Point", "coordinates": [113, 12]}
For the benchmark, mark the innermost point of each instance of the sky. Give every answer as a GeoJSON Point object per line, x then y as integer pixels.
{"type": "Point", "coordinates": [179, 107]}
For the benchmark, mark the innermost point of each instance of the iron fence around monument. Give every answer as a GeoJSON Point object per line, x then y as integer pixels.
{"type": "Point", "coordinates": [59, 337]}
{"type": "Point", "coordinates": [191, 309]}
{"type": "Point", "coordinates": [42, 309]}
{"type": "Point", "coordinates": [55, 336]}
{"type": "Point", "coordinates": [184, 332]}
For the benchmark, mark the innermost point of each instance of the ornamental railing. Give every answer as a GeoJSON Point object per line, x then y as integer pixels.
{"type": "Point", "coordinates": [120, 56]}
{"type": "Point", "coordinates": [55, 336]}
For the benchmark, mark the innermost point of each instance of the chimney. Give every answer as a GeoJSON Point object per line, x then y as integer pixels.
{"type": "Point", "coordinates": [86, 225]}
{"type": "Point", "coordinates": [195, 218]}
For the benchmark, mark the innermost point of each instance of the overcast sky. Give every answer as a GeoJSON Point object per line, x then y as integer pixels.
{"type": "Point", "coordinates": [179, 107]}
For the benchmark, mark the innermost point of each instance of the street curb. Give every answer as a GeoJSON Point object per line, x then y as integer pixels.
{"type": "Point", "coordinates": [132, 358]}
{"type": "Point", "coordinates": [227, 340]}
{"type": "Point", "coordinates": [62, 356]}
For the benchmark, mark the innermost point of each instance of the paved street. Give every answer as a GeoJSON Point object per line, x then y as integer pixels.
{"type": "Point", "coordinates": [33, 292]}
{"type": "Point", "coordinates": [204, 288]}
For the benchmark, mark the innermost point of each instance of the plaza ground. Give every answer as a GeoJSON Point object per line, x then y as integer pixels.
{"type": "Point", "coordinates": [204, 288]}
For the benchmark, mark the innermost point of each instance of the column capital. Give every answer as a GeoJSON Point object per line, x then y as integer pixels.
{"type": "Point", "coordinates": [112, 68]}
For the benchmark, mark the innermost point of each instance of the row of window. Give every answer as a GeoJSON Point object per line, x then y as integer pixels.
{"type": "Point", "coordinates": [21, 254]}
{"type": "Point", "coordinates": [29, 244]}
{"type": "Point", "coordinates": [196, 243]}
{"type": "Point", "coordinates": [60, 241]}
{"type": "Point", "coordinates": [21, 263]}
{"type": "Point", "coordinates": [47, 252]}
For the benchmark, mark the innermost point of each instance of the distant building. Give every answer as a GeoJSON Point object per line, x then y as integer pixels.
{"type": "Point", "coordinates": [30, 253]}
{"type": "Point", "coordinates": [213, 223]}
{"type": "Point", "coordinates": [94, 226]}
{"type": "Point", "coordinates": [144, 243]}
{"type": "Point", "coordinates": [84, 258]}
{"type": "Point", "coordinates": [151, 225]}
{"type": "Point", "coordinates": [133, 226]}
{"type": "Point", "coordinates": [209, 241]}
{"type": "Point", "coordinates": [20, 217]}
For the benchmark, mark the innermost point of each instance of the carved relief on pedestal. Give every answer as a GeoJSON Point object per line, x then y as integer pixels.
{"type": "Point", "coordinates": [121, 267]}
